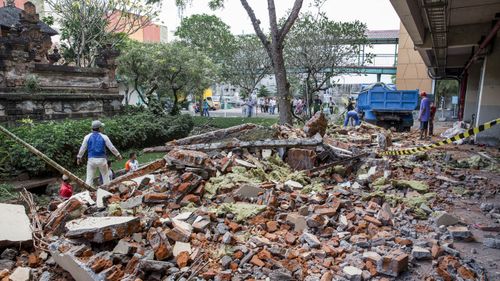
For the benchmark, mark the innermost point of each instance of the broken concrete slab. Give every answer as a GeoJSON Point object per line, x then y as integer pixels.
{"type": "Point", "coordinates": [67, 261]}
{"type": "Point", "coordinates": [133, 202]}
{"type": "Point", "coordinates": [100, 194]}
{"type": "Point", "coordinates": [102, 229]}
{"type": "Point", "coordinates": [446, 219]}
{"type": "Point", "coordinates": [459, 232]}
{"type": "Point", "coordinates": [181, 247]}
{"type": "Point", "coordinates": [293, 184]}
{"type": "Point", "coordinates": [21, 274]}
{"type": "Point", "coordinates": [420, 253]}
{"type": "Point", "coordinates": [15, 227]}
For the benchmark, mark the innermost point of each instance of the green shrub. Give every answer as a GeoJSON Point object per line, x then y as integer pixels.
{"type": "Point", "coordinates": [61, 140]}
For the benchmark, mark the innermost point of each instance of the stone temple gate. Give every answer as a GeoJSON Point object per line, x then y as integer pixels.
{"type": "Point", "coordinates": [32, 86]}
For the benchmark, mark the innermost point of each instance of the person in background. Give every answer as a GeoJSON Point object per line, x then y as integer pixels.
{"type": "Point", "coordinates": [272, 106]}
{"type": "Point", "coordinates": [132, 164]}
{"type": "Point", "coordinates": [66, 190]}
{"type": "Point", "coordinates": [96, 143]}
{"type": "Point", "coordinates": [317, 102]}
{"type": "Point", "coordinates": [331, 105]}
{"type": "Point", "coordinates": [206, 108]}
{"type": "Point", "coordinates": [424, 115]}
{"type": "Point", "coordinates": [353, 116]}
{"type": "Point", "coordinates": [431, 119]}
{"type": "Point", "coordinates": [250, 104]}
{"type": "Point", "coordinates": [350, 104]}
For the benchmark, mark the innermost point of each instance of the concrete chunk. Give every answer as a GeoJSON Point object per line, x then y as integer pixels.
{"type": "Point", "coordinates": [21, 274]}
{"type": "Point", "coordinates": [67, 261]}
{"type": "Point", "coordinates": [101, 193]}
{"type": "Point", "coordinates": [14, 225]}
{"type": "Point", "coordinates": [446, 219]}
{"type": "Point", "coordinates": [247, 191]}
{"type": "Point", "coordinates": [352, 273]}
{"type": "Point", "coordinates": [102, 229]}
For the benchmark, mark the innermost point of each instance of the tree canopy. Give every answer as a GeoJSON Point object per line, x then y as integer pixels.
{"type": "Point", "coordinates": [318, 49]}
{"type": "Point", "coordinates": [159, 71]}
{"type": "Point", "coordinates": [88, 26]}
{"type": "Point", "coordinates": [208, 33]}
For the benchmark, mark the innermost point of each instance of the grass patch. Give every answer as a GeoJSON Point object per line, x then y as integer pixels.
{"type": "Point", "coordinates": [7, 192]}
{"type": "Point", "coordinates": [226, 122]}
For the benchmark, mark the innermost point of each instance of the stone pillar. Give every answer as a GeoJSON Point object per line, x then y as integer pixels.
{"type": "Point", "coordinates": [472, 92]}
{"type": "Point", "coordinates": [489, 97]}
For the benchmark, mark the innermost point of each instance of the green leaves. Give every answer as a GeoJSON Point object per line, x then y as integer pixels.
{"type": "Point", "coordinates": [61, 140]}
{"type": "Point", "coordinates": [318, 48]}
{"type": "Point", "coordinates": [160, 71]}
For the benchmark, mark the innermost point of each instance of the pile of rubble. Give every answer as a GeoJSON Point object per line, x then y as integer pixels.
{"type": "Point", "coordinates": [311, 204]}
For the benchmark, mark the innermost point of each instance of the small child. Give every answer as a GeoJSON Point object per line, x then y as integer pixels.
{"type": "Point", "coordinates": [66, 190]}
{"type": "Point", "coordinates": [132, 163]}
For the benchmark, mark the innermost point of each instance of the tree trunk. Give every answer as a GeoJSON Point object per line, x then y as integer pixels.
{"type": "Point", "coordinates": [282, 87]}
{"type": "Point", "coordinates": [175, 108]}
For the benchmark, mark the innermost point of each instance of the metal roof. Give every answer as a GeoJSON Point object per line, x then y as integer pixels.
{"type": "Point", "coordinates": [10, 16]}
{"type": "Point", "coordinates": [383, 34]}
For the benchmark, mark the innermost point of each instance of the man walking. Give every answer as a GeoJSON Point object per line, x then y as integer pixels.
{"type": "Point", "coordinates": [424, 115]}
{"type": "Point", "coordinates": [95, 143]}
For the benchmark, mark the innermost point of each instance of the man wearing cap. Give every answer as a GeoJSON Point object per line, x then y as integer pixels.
{"type": "Point", "coordinates": [96, 143]}
{"type": "Point", "coordinates": [424, 115]}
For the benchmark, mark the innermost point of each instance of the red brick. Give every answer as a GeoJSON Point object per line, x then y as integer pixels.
{"type": "Point", "coordinates": [155, 197]}
{"type": "Point", "coordinates": [272, 226]}
{"type": "Point", "coordinates": [373, 220]}
{"type": "Point", "coordinates": [256, 261]}
{"type": "Point", "coordinates": [182, 259]}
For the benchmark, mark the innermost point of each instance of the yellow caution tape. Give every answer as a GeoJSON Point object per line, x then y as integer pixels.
{"type": "Point", "coordinates": [463, 135]}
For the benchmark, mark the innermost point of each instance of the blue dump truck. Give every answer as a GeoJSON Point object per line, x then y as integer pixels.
{"type": "Point", "coordinates": [387, 107]}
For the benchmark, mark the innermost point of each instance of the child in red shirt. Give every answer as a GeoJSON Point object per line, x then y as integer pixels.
{"type": "Point", "coordinates": [66, 190]}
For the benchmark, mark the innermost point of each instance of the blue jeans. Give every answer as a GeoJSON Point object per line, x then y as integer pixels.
{"type": "Point", "coordinates": [351, 114]}
{"type": "Point", "coordinates": [205, 112]}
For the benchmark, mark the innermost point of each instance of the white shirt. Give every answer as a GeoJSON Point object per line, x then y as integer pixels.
{"type": "Point", "coordinates": [109, 145]}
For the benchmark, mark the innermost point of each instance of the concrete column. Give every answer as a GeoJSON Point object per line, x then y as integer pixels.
{"type": "Point", "coordinates": [489, 97]}
{"type": "Point", "coordinates": [472, 92]}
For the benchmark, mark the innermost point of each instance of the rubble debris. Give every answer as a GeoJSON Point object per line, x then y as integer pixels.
{"type": "Point", "coordinates": [14, 225]}
{"type": "Point", "coordinates": [102, 229]}
{"type": "Point", "coordinates": [317, 124]}
{"type": "Point", "coordinates": [330, 211]}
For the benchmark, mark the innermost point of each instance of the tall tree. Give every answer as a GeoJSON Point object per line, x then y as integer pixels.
{"type": "Point", "coordinates": [248, 65]}
{"type": "Point", "coordinates": [208, 33]}
{"type": "Point", "coordinates": [160, 71]}
{"type": "Point", "coordinates": [273, 44]}
{"type": "Point", "coordinates": [319, 49]}
{"type": "Point", "coordinates": [87, 26]}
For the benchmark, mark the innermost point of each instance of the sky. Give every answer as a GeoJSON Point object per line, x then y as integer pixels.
{"type": "Point", "coordinates": [377, 14]}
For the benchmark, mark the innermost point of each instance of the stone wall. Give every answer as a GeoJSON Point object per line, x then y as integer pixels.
{"type": "Point", "coordinates": [59, 92]}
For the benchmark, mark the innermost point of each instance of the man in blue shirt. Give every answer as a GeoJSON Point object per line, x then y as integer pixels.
{"type": "Point", "coordinates": [424, 115]}
{"type": "Point", "coordinates": [95, 143]}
